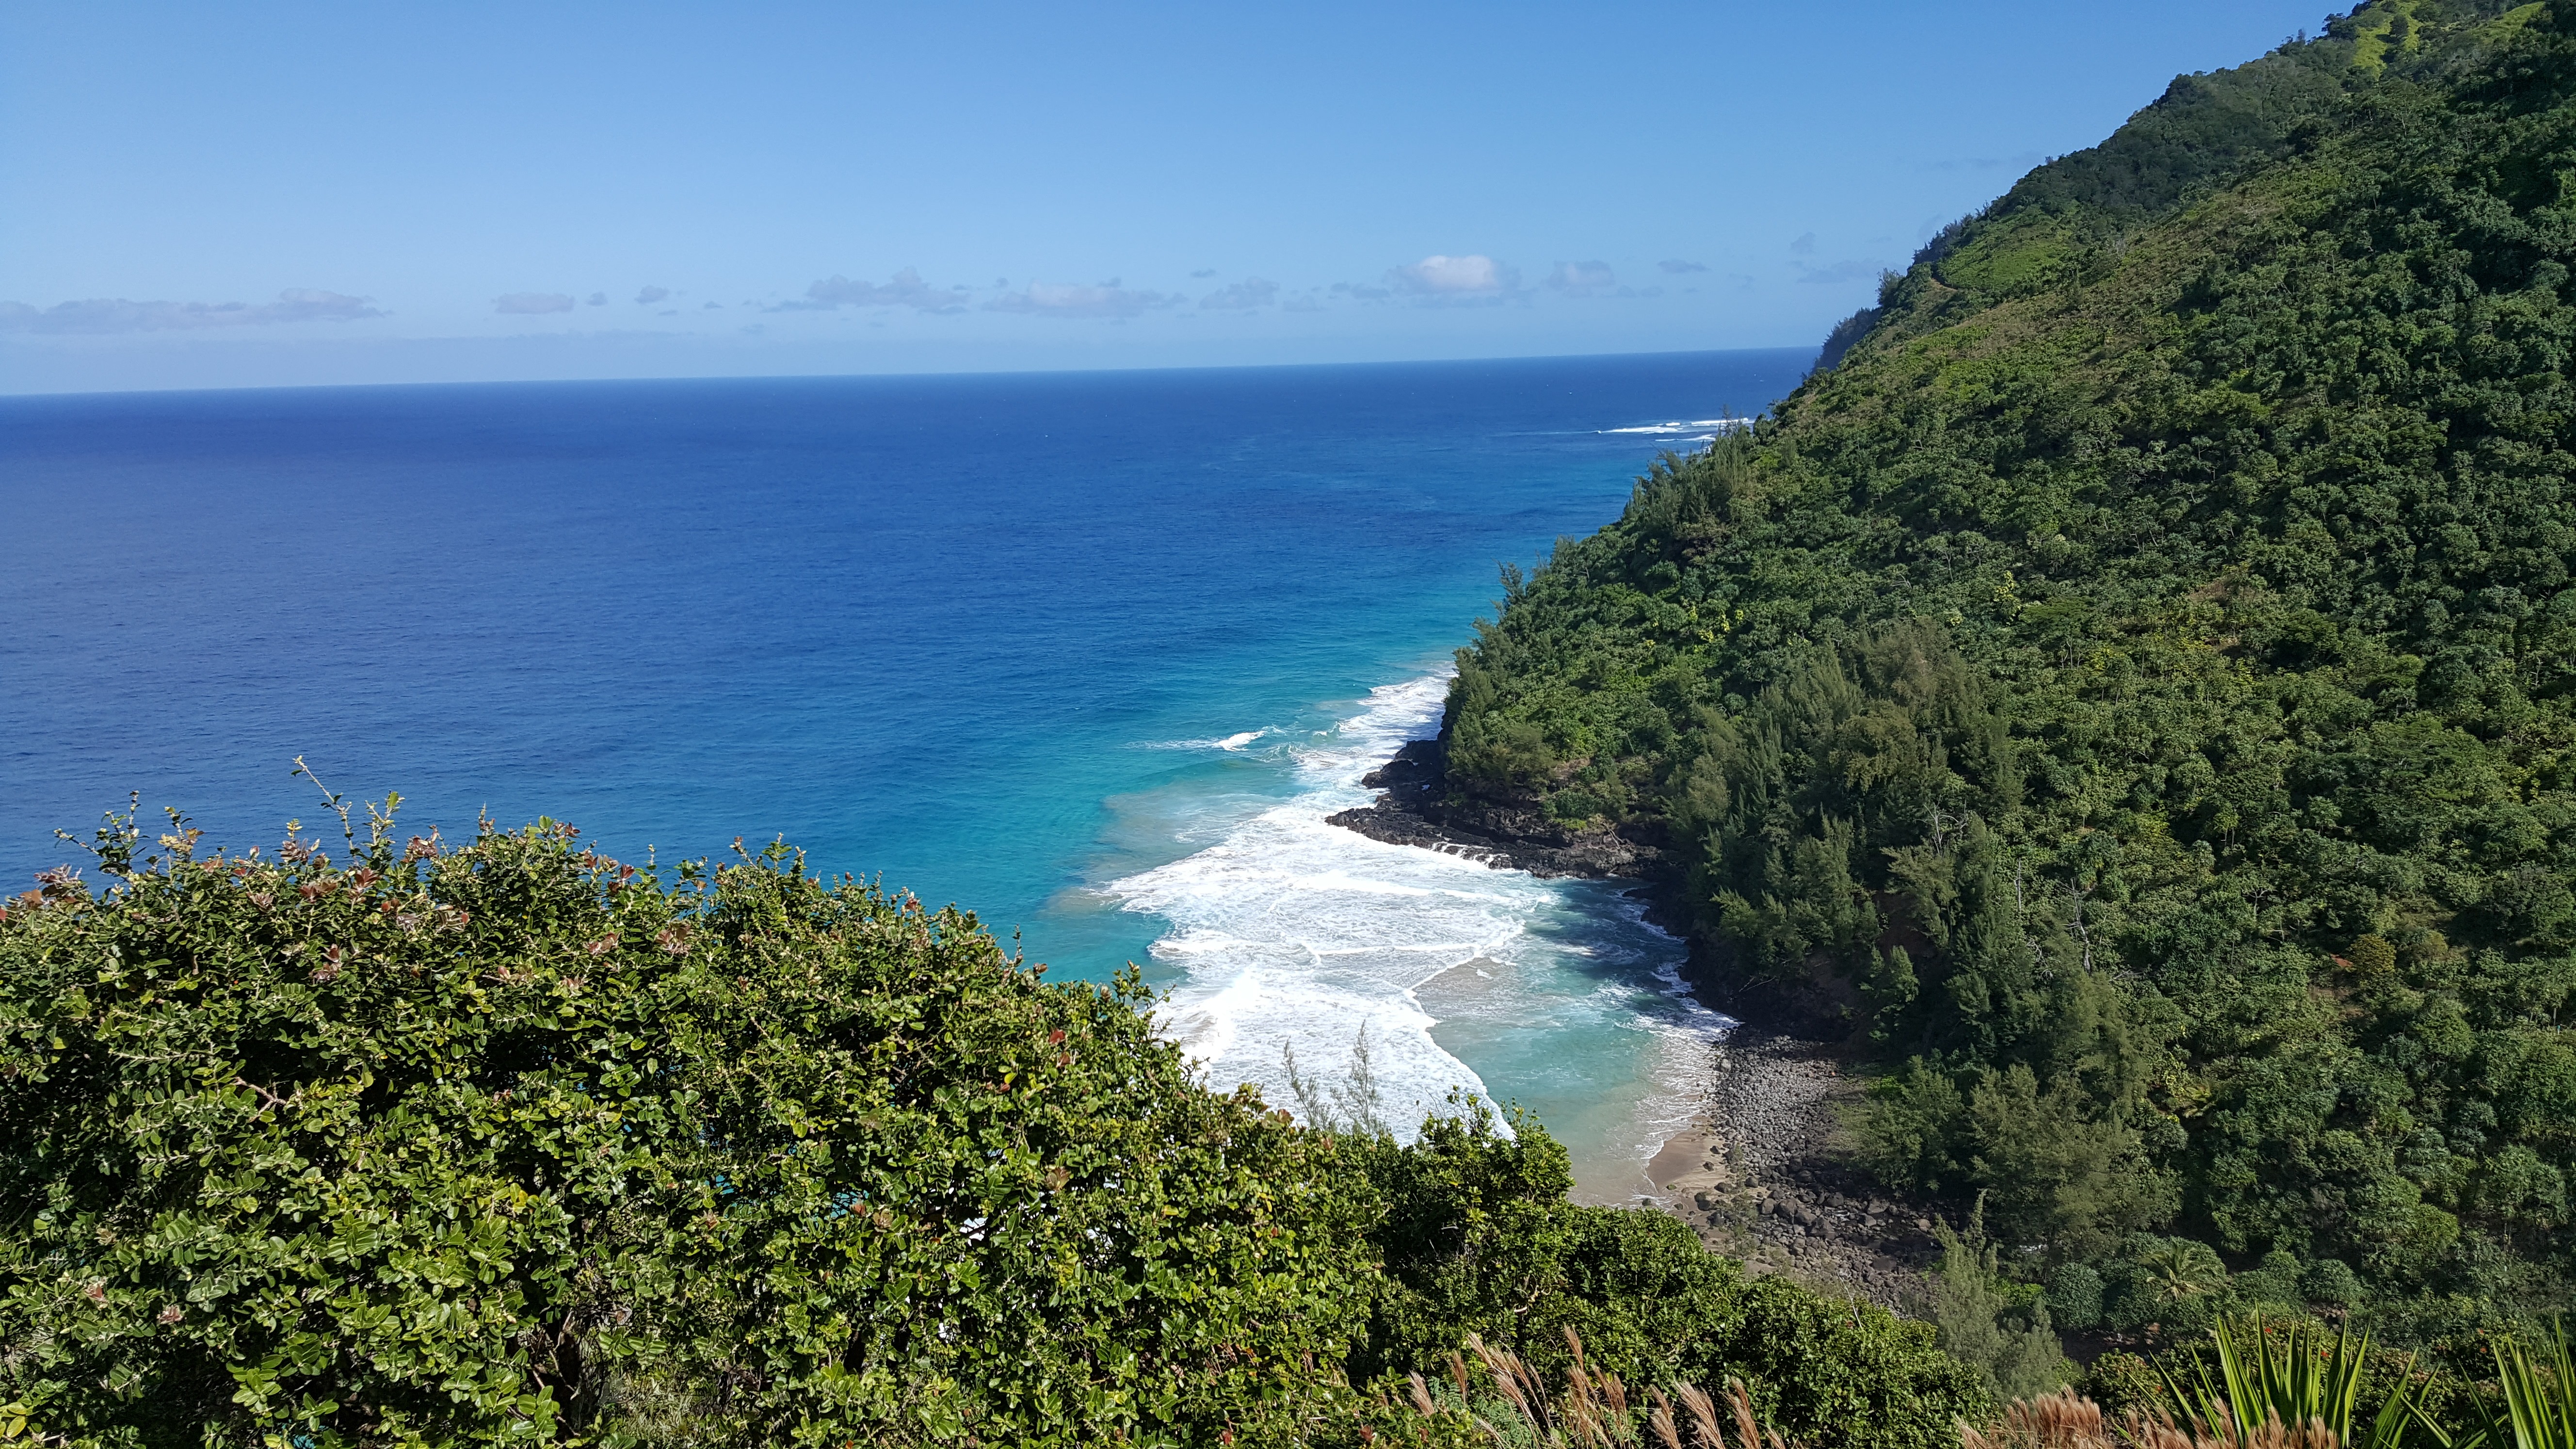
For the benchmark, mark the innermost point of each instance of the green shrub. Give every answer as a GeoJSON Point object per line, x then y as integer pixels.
{"type": "Point", "coordinates": [511, 1142]}
{"type": "Point", "coordinates": [2330, 1282]}
{"type": "Point", "coordinates": [2271, 1286]}
{"type": "Point", "coordinates": [2075, 1296]}
{"type": "Point", "coordinates": [2174, 1288]}
{"type": "Point", "coordinates": [2120, 1382]}
{"type": "Point", "coordinates": [1478, 1238]}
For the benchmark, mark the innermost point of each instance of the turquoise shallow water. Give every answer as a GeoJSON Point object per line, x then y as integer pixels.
{"type": "Point", "coordinates": [1089, 653]}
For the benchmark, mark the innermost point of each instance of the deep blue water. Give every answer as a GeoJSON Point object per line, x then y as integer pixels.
{"type": "Point", "coordinates": [998, 638]}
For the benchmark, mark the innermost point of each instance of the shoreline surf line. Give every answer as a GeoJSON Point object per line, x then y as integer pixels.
{"type": "Point", "coordinates": [1292, 931]}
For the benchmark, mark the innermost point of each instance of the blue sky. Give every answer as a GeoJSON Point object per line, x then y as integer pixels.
{"type": "Point", "coordinates": [204, 196]}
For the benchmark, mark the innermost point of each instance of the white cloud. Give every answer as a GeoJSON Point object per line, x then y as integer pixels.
{"type": "Point", "coordinates": [597, 299]}
{"type": "Point", "coordinates": [906, 290]}
{"type": "Point", "coordinates": [1249, 293]}
{"type": "Point", "coordinates": [1202, 274]}
{"type": "Point", "coordinates": [2021, 162]}
{"type": "Point", "coordinates": [651, 295]}
{"type": "Point", "coordinates": [1677, 266]}
{"type": "Point", "coordinates": [1108, 299]}
{"type": "Point", "coordinates": [115, 314]}
{"type": "Point", "coordinates": [1805, 245]}
{"type": "Point", "coordinates": [1584, 279]}
{"type": "Point", "coordinates": [1470, 277]}
{"type": "Point", "coordinates": [1840, 272]}
{"type": "Point", "coordinates": [530, 303]}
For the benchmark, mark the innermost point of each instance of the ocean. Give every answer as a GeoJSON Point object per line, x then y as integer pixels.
{"type": "Point", "coordinates": [1090, 654]}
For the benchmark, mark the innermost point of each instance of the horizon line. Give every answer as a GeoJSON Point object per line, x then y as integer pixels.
{"type": "Point", "coordinates": [9, 396]}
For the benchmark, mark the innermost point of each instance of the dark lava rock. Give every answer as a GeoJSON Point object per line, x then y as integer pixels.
{"type": "Point", "coordinates": [1419, 805]}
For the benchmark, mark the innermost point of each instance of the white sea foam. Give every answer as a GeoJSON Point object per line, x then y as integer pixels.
{"type": "Point", "coordinates": [1233, 743]}
{"type": "Point", "coordinates": [1290, 932]}
{"type": "Point", "coordinates": [1722, 425]}
{"type": "Point", "coordinates": [1295, 933]}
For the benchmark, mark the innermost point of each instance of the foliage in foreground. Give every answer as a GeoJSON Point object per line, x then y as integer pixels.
{"type": "Point", "coordinates": [514, 1143]}
{"type": "Point", "coordinates": [1476, 1238]}
{"type": "Point", "coordinates": [2068, 1420]}
{"type": "Point", "coordinates": [2538, 1388]}
{"type": "Point", "coordinates": [511, 1142]}
{"type": "Point", "coordinates": [2133, 694]}
{"type": "Point", "coordinates": [2299, 1377]}
{"type": "Point", "coordinates": [2294, 1386]}
{"type": "Point", "coordinates": [1514, 1408]}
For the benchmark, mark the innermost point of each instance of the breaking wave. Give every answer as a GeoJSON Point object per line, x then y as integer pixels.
{"type": "Point", "coordinates": [1289, 932]}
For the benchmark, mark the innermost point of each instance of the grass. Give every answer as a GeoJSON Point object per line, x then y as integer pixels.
{"type": "Point", "coordinates": [1512, 1405]}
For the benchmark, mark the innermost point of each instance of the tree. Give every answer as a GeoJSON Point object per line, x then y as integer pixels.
{"type": "Point", "coordinates": [1986, 1320]}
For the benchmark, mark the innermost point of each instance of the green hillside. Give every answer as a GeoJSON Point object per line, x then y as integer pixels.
{"type": "Point", "coordinates": [2129, 694]}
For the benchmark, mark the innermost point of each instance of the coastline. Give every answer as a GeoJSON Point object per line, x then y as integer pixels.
{"type": "Point", "coordinates": [1761, 1175]}
{"type": "Point", "coordinates": [1761, 1170]}
{"type": "Point", "coordinates": [1281, 931]}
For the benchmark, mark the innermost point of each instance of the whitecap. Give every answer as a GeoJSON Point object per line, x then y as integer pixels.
{"type": "Point", "coordinates": [1666, 430]}
{"type": "Point", "coordinates": [1233, 743]}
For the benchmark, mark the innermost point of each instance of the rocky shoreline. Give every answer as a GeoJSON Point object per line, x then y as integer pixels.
{"type": "Point", "coordinates": [1760, 1175]}
{"type": "Point", "coordinates": [1762, 1172]}
{"type": "Point", "coordinates": [1415, 807]}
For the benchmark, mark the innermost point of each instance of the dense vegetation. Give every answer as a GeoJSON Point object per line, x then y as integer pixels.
{"type": "Point", "coordinates": [2129, 694]}
{"type": "Point", "coordinates": [513, 1143]}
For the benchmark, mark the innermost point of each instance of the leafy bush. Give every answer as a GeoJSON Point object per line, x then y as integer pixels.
{"type": "Point", "coordinates": [1478, 1238]}
{"type": "Point", "coordinates": [510, 1142]}
{"type": "Point", "coordinates": [514, 1143]}
{"type": "Point", "coordinates": [2075, 1296]}
{"type": "Point", "coordinates": [2173, 1287]}
{"type": "Point", "coordinates": [2121, 1382]}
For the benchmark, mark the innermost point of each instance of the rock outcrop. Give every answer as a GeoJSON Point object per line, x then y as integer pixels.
{"type": "Point", "coordinates": [1417, 804]}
